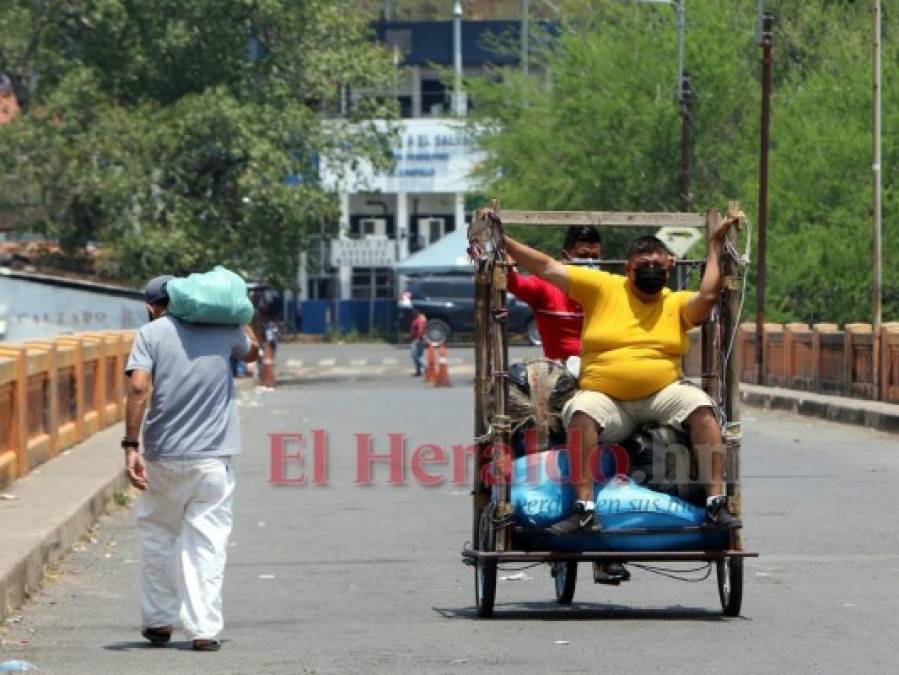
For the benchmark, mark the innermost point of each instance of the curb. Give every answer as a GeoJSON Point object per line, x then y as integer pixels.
{"type": "Point", "coordinates": [21, 579]}
{"type": "Point", "coordinates": [843, 412]}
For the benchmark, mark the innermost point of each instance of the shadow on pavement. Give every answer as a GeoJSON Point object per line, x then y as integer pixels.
{"type": "Point", "coordinates": [140, 645]}
{"type": "Point", "coordinates": [585, 611]}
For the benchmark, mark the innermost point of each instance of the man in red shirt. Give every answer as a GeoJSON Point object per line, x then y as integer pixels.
{"type": "Point", "coordinates": [417, 337]}
{"type": "Point", "coordinates": [559, 318]}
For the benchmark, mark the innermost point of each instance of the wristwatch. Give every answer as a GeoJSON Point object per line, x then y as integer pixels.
{"type": "Point", "coordinates": [130, 443]}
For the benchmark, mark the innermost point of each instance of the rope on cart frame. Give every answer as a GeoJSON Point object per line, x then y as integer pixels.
{"type": "Point", "coordinates": [501, 521]}
{"type": "Point", "coordinates": [506, 568]}
{"type": "Point", "coordinates": [676, 574]}
{"type": "Point", "coordinates": [742, 264]}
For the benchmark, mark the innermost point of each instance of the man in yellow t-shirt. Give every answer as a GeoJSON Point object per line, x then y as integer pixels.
{"type": "Point", "coordinates": [634, 335]}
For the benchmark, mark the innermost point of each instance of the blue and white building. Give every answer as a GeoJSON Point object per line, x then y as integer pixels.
{"type": "Point", "coordinates": [386, 217]}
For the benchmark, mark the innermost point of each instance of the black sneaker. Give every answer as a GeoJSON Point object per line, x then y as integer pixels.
{"type": "Point", "coordinates": [610, 573]}
{"type": "Point", "coordinates": [717, 513]}
{"type": "Point", "coordinates": [580, 521]}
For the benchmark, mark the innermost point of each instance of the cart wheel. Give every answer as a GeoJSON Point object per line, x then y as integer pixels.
{"type": "Point", "coordinates": [730, 585]}
{"type": "Point", "coordinates": [565, 576]}
{"type": "Point", "coordinates": [485, 570]}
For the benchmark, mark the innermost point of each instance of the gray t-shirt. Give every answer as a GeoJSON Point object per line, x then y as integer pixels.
{"type": "Point", "coordinates": [193, 412]}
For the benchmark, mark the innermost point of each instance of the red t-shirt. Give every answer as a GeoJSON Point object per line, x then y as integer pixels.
{"type": "Point", "coordinates": [559, 318]}
{"type": "Point", "coordinates": [417, 329]}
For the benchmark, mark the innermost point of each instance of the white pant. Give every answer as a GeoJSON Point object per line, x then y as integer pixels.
{"type": "Point", "coordinates": [190, 500]}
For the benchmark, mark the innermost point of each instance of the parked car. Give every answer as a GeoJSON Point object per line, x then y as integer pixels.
{"type": "Point", "coordinates": [448, 304]}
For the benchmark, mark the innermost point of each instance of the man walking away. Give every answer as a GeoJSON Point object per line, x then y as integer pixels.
{"type": "Point", "coordinates": [417, 337]}
{"type": "Point", "coordinates": [184, 473]}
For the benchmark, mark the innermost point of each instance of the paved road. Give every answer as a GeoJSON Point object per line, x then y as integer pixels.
{"type": "Point", "coordinates": [346, 579]}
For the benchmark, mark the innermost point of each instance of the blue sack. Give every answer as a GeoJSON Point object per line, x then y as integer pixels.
{"type": "Point", "coordinates": [538, 494]}
{"type": "Point", "coordinates": [542, 495]}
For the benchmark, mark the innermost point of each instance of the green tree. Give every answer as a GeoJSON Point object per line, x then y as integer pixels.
{"type": "Point", "coordinates": [182, 133]}
{"type": "Point", "coordinates": [599, 129]}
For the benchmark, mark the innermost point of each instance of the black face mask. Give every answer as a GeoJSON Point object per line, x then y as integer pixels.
{"type": "Point", "coordinates": [650, 278]}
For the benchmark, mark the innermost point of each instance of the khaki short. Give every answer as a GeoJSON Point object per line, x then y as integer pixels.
{"type": "Point", "coordinates": [619, 419]}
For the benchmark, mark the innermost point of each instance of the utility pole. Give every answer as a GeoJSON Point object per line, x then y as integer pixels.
{"type": "Point", "coordinates": [685, 98]}
{"type": "Point", "coordinates": [878, 187]}
{"type": "Point", "coordinates": [681, 11]}
{"type": "Point", "coordinates": [525, 36]}
{"type": "Point", "coordinates": [457, 58]}
{"type": "Point", "coordinates": [765, 41]}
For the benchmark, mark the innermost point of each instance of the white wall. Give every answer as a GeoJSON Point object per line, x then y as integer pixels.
{"type": "Point", "coordinates": [30, 309]}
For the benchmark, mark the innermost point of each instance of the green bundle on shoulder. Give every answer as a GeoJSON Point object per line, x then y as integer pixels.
{"type": "Point", "coordinates": [217, 297]}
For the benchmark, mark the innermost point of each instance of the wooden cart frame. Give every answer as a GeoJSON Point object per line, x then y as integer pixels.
{"type": "Point", "coordinates": [492, 528]}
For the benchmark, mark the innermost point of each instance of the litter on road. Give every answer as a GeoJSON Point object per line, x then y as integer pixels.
{"type": "Point", "coordinates": [518, 576]}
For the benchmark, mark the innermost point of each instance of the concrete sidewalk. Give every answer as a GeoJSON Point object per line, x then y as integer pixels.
{"type": "Point", "coordinates": [45, 513]}
{"type": "Point", "coordinates": [871, 414]}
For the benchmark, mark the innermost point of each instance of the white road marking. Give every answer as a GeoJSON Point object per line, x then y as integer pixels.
{"type": "Point", "coordinates": [339, 371]}
{"type": "Point", "coordinates": [358, 362]}
{"type": "Point", "coordinates": [389, 361]}
{"type": "Point", "coordinates": [294, 363]}
{"type": "Point", "coordinates": [324, 363]}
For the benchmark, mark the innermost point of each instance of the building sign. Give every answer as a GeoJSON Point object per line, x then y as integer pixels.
{"type": "Point", "coordinates": [363, 252]}
{"type": "Point", "coordinates": [431, 155]}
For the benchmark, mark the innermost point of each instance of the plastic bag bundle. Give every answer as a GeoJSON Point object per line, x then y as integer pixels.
{"type": "Point", "coordinates": [216, 297]}
{"type": "Point", "coordinates": [538, 390]}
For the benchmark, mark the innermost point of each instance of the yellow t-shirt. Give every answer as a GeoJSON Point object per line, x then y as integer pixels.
{"type": "Point", "coordinates": [630, 349]}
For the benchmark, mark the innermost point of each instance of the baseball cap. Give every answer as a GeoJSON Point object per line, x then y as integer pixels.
{"type": "Point", "coordinates": [155, 290]}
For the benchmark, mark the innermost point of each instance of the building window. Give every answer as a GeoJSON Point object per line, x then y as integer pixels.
{"type": "Point", "coordinates": [434, 98]}
{"type": "Point", "coordinates": [373, 282]}
{"type": "Point", "coordinates": [405, 103]}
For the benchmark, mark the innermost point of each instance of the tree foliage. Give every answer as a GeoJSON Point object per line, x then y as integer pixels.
{"type": "Point", "coordinates": [183, 133]}
{"type": "Point", "coordinates": [599, 128]}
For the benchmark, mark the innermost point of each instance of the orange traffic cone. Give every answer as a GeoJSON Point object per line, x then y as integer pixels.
{"type": "Point", "coordinates": [268, 366]}
{"type": "Point", "coordinates": [431, 371]}
{"type": "Point", "coordinates": [443, 369]}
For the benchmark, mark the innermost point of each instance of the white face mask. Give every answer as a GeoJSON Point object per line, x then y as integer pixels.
{"type": "Point", "coordinates": [589, 263]}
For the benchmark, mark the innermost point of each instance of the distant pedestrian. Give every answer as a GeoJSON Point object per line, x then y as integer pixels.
{"type": "Point", "coordinates": [184, 473]}
{"type": "Point", "coordinates": [417, 337]}
{"type": "Point", "coordinates": [272, 334]}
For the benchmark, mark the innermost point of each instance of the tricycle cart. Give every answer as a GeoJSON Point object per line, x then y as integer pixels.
{"type": "Point", "coordinates": [496, 539]}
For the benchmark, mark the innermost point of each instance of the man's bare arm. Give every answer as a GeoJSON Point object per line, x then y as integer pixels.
{"type": "Point", "coordinates": [139, 385]}
{"type": "Point", "coordinates": [537, 263]}
{"type": "Point", "coordinates": [253, 354]}
{"type": "Point", "coordinates": [699, 307]}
